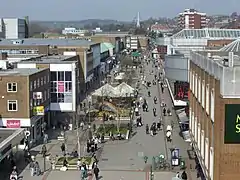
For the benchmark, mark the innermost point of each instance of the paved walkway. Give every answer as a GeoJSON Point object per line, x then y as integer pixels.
{"type": "Point", "coordinates": [129, 155]}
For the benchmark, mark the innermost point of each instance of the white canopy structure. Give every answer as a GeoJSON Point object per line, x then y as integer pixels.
{"type": "Point", "coordinates": [124, 90]}
{"type": "Point", "coordinates": [105, 90]}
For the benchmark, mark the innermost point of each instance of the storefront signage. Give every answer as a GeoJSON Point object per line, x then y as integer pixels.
{"type": "Point", "coordinates": [232, 124]}
{"type": "Point", "coordinates": [37, 95]}
{"type": "Point", "coordinates": [13, 124]}
{"type": "Point", "coordinates": [38, 110]}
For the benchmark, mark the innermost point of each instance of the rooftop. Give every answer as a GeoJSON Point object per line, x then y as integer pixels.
{"type": "Point", "coordinates": [232, 47]}
{"type": "Point", "coordinates": [56, 59]}
{"type": "Point", "coordinates": [51, 42]}
{"type": "Point", "coordinates": [208, 34]}
{"type": "Point", "coordinates": [223, 66]}
{"type": "Point", "coordinates": [20, 71]}
{"type": "Point", "coordinates": [5, 133]}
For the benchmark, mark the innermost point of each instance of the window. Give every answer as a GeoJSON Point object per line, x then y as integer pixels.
{"type": "Point", "coordinates": [38, 82]}
{"type": "Point", "coordinates": [45, 80]}
{"type": "Point", "coordinates": [60, 76]}
{"type": "Point", "coordinates": [68, 86]}
{"type": "Point", "coordinates": [206, 153]}
{"type": "Point", "coordinates": [12, 87]}
{"type": "Point", "coordinates": [31, 104]}
{"type": "Point", "coordinates": [45, 95]}
{"type": "Point", "coordinates": [31, 86]}
{"type": "Point", "coordinates": [41, 81]}
{"type": "Point", "coordinates": [34, 102]}
{"type": "Point", "coordinates": [54, 97]}
{"type": "Point", "coordinates": [48, 79]}
{"type": "Point", "coordinates": [199, 90]}
{"type": "Point", "coordinates": [196, 85]}
{"type": "Point", "coordinates": [48, 93]}
{"type": "Point", "coordinates": [53, 76]}
{"type": "Point", "coordinates": [67, 97]}
{"type": "Point", "coordinates": [190, 79]}
{"type": "Point", "coordinates": [207, 99]}
{"type": "Point", "coordinates": [193, 83]}
{"type": "Point", "coordinates": [68, 76]}
{"type": "Point", "coordinates": [203, 94]}
{"type": "Point", "coordinates": [212, 105]}
{"type": "Point", "coordinates": [12, 105]}
{"type": "Point", "coordinates": [53, 86]}
{"type": "Point", "coordinates": [60, 97]}
{"type": "Point", "coordinates": [34, 84]}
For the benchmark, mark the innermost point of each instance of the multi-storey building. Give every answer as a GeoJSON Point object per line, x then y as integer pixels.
{"type": "Point", "coordinates": [14, 28]}
{"type": "Point", "coordinates": [191, 19]}
{"type": "Point", "coordinates": [215, 112]}
{"type": "Point", "coordinates": [25, 99]}
{"type": "Point", "coordinates": [88, 52]}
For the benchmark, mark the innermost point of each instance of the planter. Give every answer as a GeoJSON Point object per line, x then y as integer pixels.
{"type": "Point", "coordinates": [72, 162]}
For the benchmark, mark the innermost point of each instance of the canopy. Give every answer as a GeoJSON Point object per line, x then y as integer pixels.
{"type": "Point", "coordinates": [105, 90]}
{"type": "Point", "coordinates": [124, 90]}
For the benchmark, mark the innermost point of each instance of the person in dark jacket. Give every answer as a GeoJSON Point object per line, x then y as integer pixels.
{"type": "Point", "coordinates": [96, 172]}
{"type": "Point", "coordinates": [184, 175]}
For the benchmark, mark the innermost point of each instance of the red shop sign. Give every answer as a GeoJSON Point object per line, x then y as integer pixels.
{"type": "Point", "coordinates": [13, 123]}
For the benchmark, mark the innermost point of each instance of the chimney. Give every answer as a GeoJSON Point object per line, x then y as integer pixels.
{"type": "Point", "coordinates": [230, 59]}
{"type": "Point", "coordinates": [3, 56]}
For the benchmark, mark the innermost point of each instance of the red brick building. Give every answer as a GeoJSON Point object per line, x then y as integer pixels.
{"type": "Point", "coordinates": [191, 19]}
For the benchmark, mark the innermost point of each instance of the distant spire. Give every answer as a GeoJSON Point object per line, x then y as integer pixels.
{"type": "Point", "coordinates": [138, 20]}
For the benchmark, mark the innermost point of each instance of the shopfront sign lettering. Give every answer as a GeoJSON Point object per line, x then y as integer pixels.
{"type": "Point", "coordinates": [232, 124]}
{"type": "Point", "coordinates": [238, 123]}
{"type": "Point", "coordinates": [13, 124]}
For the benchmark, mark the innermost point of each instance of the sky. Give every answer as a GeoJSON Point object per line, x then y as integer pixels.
{"type": "Point", "coordinates": [123, 10]}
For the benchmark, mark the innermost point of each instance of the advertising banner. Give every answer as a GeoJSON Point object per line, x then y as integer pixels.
{"type": "Point", "coordinates": [13, 124]}
{"type": "Point", "coordinates": [38, 110]}
{"type": "Point", "coordinates": [232, 124]}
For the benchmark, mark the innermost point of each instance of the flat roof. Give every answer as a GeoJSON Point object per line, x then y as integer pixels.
{"type": "Point", "coordinates": [56, 59]}
{"type": "Point", "coordinates": [21, 71]}
{"type": "Point", "coordinates": [5, 133]}
{"type": "Point", "coordinates": [51, 42]}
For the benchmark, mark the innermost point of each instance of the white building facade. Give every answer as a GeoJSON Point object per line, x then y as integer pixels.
{"type": "Point", "coordinates": [63, 85]}
{"type": "Point", "coordinates": [14, 28]}
{"type": "Point", "coordinates": [74, 31]}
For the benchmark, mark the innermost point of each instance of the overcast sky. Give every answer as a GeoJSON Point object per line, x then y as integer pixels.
{"type": "Point", "coordinates": [110, 9]}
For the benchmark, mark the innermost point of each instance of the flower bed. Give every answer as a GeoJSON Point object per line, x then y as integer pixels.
{"type": "Point", "coordinates": [111, 128]}
{"type": "Point", "coordinates": [72, 162]}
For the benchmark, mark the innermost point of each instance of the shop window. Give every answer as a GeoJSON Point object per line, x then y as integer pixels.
{"type": "Point", "coordinates": [60, 75]}
{"type": "Point", "coordinates": [53, 86]}
{"type": "Point", "coordinates": [68, 76]}
{"type": "Point", "coordinates": [68, 86]}
{"type": "Point", "coordinates": [60, 98]}
{"type": "Point", "coordinates": [53, 76]}
{"type": "Point", "coordinates": [67, 97]}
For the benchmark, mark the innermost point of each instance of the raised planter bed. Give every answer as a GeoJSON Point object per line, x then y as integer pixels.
{"type": "Point", "coordinates": [72, 162]}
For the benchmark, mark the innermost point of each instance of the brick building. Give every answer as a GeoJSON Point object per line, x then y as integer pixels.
{"type": "Point", "coordinates": [191, 19]}
{"type": "Point", "coordinates": [214, 112]}
{"type": "Point", "coordinates": [25, 99]}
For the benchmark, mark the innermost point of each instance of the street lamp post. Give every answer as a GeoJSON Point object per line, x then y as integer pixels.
{"type": "Point", "coordinates": [78, 136]}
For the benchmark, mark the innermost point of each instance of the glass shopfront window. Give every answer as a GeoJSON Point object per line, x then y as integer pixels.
{"type": "Point", "coordinates": [61, 87]}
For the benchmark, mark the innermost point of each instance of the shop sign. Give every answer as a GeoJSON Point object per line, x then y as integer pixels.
{"type": "Point", "coordinates": [13, 124]}
{"type": "Point", "coordinates": [232, 124]}
{"type": "Point", "coordinates": [37, 95]}
{"type": "Point", "coordinates": [38, 110]}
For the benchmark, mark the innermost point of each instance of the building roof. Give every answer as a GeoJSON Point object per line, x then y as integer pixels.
{"type": "Point", "coordinates": [21, 71]}
{"type": "Point", "coordinates": [51, 42]}
{"type": "Point", "coordinates": [232, 47]}
{"type": "Point", "coordinates": [56, 59]}
{"type": "Point", "coordinates": [105, 46]}
{"type": "Point", "coordinates": [207, 33]}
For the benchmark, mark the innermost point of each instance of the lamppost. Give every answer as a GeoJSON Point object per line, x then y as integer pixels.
{"type": "Point", "coordinates": [78, 136]}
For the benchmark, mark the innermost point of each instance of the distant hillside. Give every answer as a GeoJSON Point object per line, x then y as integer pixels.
{"type": "Point", "coordinates": [77, 24]}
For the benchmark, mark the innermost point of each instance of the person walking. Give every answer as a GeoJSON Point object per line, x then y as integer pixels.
{"type": "Point", "coordinates": [63, 149]}
{"type": "Point", "coordinates": [96, 172]}
{"type": "Point", "coordinates": [184, 175]}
